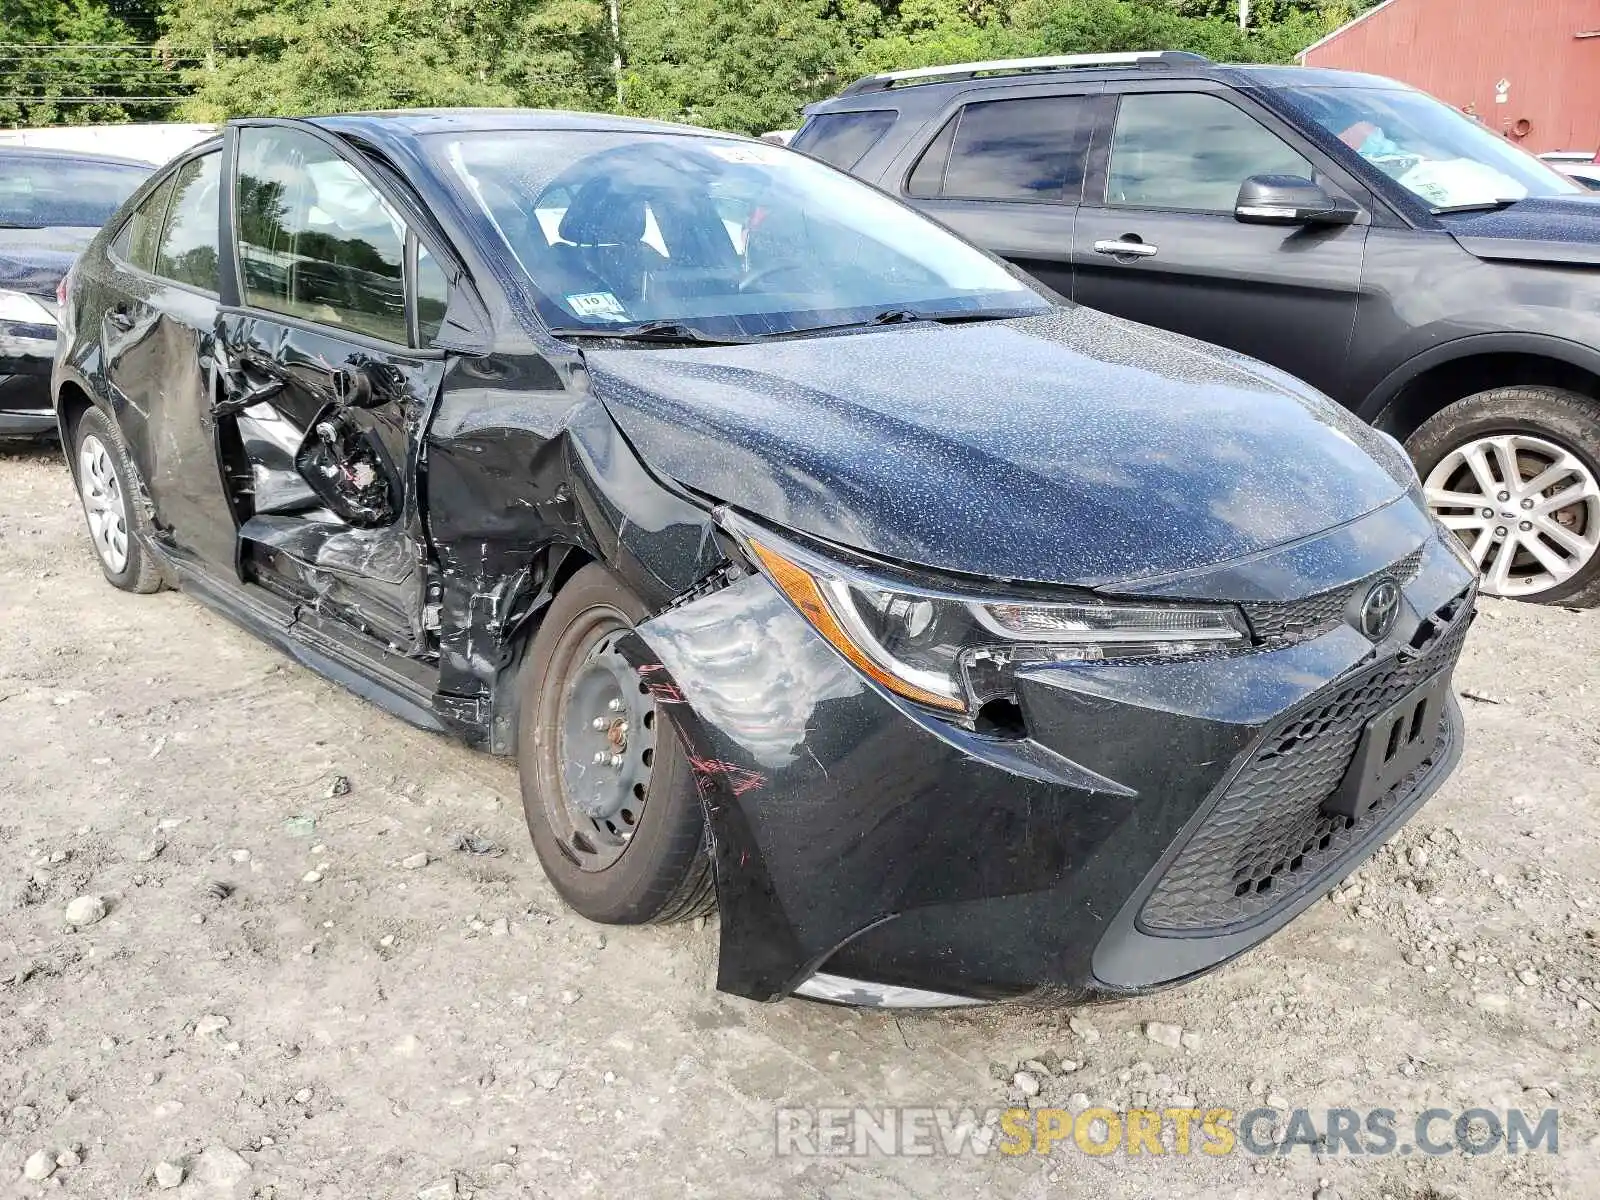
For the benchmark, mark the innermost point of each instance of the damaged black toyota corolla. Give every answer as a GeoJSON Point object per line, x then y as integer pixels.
{"type": "Point", "coordinates": [958, 643]}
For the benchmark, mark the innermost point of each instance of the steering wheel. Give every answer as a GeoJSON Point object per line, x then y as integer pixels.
{"type": "Point", "coordinates": [751, 280]}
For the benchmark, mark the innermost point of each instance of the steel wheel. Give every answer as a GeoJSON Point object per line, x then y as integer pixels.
{"type": "Point", "coordinates": [607, 724]}
{"type": "Point", "coordinates": [1527, 510]}
{"type": "Point", "coordinates": [103, 504]}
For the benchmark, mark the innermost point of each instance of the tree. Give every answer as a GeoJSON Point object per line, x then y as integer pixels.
{"type": "Point", "coordinates": [75, 61]}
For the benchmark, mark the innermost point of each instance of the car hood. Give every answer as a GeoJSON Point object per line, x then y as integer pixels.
{"type": "Point", "coordinates": [1070, 448]}
{"type": "Point", "coordinates": [1563, 229]}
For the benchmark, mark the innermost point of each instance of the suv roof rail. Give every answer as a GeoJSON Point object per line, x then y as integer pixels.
{"type": "Point", "coordinates": [1017, 66]}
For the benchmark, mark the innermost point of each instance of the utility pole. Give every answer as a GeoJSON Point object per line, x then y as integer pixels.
{"type": "Point", "coordinates": [1244, 14]}
{"type": "Point", "coordinates": [616, 48]}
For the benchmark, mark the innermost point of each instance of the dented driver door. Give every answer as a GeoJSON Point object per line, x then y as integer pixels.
{"type": "Point", "coordinates": [323, 381]}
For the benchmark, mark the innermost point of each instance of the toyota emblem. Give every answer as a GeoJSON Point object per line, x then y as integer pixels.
{"type": "Point", "coordinates": [1379, 609]}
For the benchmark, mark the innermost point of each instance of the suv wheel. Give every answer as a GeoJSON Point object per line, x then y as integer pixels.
{"type": "Point", "coordinates": [110, 504]}
{"type": "Point", "coordinates": [607, 788]}
{"type": "Point", "coordinates": [1515, 472]}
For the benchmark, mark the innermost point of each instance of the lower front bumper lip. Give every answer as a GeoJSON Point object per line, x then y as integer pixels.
{"type": "Point", "coordinates": [836, 989]}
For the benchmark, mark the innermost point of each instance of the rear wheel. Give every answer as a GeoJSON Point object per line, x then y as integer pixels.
{"type": "Point", "coordinates": [111, 505]}
{"type": "Point", "coordinates": [607, 788]}
{"type": "Point", "coordinates": [1515, 472]}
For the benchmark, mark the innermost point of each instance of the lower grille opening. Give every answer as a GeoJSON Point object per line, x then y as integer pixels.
{"type": "Point", "coordinates": [1268, 835]}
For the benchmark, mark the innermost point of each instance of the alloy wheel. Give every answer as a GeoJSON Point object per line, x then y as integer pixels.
{"type": "Point", "coordinates": [103, 504]}
{"type": "Point", "coordinates": [607, 724]}
{"type": "Point", "coordinates": [1527, 510]}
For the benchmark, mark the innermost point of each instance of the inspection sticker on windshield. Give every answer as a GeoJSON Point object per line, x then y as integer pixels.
{"type": "Point", "coordinates": [602, 305]}
{"type": "Point", "coordinates": [736, 152]}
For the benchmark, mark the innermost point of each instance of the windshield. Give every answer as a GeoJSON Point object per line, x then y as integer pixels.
{"type": "Point", "coordinates": [726, 238]}
{"type": "Point", "coordinates": [1442, 156]}
{"type": "Point", "coordinates": [38, 192]}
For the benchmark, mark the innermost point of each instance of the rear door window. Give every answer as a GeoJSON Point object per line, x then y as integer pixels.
{"type": "Point", "coordinates": [1190, 151]}
{"type": "Point", "coordinates": [841, 139]}
{"type": "Point", "coordinates": [1028, 148]}
{"type": "Point", "coordinates": [316, 240]}
{"type": "Point", "coordinates": [136, 241]}
{"type": "Point", "coordinates": [187, 251]}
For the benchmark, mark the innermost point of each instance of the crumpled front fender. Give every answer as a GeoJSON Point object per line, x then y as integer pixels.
{"type": "Point", "coordinates": [833, 808]}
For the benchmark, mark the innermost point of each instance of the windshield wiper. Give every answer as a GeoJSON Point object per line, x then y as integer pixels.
{"type": "Point", "coordinates": [908, 316]}
{"type": "Point", "coordinates": [1480, 206]}
{"type": "Point", "coordinates": [661, 332]}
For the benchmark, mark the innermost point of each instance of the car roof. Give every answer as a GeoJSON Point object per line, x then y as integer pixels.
{"type": "Point", "coordinates": [892, 89]}
{"type": "Point", "coordinates": [419, 121]}
{"type": "Point", "coordinates": [45, 154]}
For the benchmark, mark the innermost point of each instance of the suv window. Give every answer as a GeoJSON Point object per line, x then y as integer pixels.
{"type": "Point", "coordinates": [188, 248]}
{"type": "Point", "coordinates": [37, 192]}
{"type": "Point", "coordinates": [316, 240]}
{"type": "Point", "coordinates": [136, 240]}
{"type": "Point", "coordinates": [840, 139]}
{"type": "Point", "coordinates": [1188, 150]}
{"type": "Point", "coordinates": [1031, 148]}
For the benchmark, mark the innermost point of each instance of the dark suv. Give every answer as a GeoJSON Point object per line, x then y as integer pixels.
{"type": "Point", "coordinates": [1353, 231]}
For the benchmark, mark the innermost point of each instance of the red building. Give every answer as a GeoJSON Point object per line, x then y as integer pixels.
{"type": "Point", "coordinates": [1528, 68]}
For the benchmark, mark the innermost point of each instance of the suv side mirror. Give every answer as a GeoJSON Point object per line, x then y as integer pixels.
{"type": "Point", "coordinates": [1289, 200]}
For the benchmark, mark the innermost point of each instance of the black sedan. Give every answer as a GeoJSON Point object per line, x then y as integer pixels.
{"type": "Point", "coordinates": [51, 203]}
{"type": "Point", "coordinates": [957, 642]}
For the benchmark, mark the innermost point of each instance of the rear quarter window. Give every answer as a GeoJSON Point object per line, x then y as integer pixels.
{"type": "Point", "coordinates": [841, 139]}
{"type": "Point", "coordinates": [1029, 148]}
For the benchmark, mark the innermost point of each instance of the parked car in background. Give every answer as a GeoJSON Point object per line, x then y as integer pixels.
{"type": "Point", "coordinates": [1350, 230]}
{"type": "Point", "coordinates": [959, 643]}
{"type": "Point", "coordinates": [1579, 165]}
{"type": "Point", "coordinates": [152, 142]}
{"type": "Point", "coordinates": [51, 203]}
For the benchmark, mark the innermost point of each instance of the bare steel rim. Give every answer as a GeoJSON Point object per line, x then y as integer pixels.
{"type": "Point", "coordinates": [607, 734]}
{"type": "Point", "coordinates": [1527, 509]}
{"type": "Point", "coordinates": [103, 504]}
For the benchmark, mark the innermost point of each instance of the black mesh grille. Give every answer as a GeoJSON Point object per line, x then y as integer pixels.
{"type": "Point", "coordinates": [1267, 837]}
{"type": "Point", "coordinates": [1297, 620]}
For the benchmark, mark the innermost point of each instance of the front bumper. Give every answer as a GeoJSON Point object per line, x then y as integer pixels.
{"type": "Point", "coordinates": [869, 853]}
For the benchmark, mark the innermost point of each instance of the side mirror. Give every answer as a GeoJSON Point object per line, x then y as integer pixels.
{"type": "Point", "coordinates": [1289, 200]}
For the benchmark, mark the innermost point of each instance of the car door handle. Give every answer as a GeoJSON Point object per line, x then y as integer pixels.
{"type": "Point", "coordinates": [1132, 249]}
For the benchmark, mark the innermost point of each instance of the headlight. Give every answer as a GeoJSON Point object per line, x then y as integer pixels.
{"type": "Point", "coordinates": [955, 652]}
{"type": "Point", "coordinates": [24, 309]}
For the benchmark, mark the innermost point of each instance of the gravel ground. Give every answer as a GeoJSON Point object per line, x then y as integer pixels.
{"type": "Point", "coordinates": [279, 1002]}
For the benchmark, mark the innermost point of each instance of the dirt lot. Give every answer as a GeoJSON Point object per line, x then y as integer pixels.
{"type": "Point", "coordinates": [342, 1026]}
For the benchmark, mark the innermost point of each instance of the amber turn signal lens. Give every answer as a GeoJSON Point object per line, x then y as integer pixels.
{"type": "Point", "coordinates": [802, 590]}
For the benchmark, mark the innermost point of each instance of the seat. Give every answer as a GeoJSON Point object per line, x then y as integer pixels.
{"type": "Point", "coordinates": [607, 228]}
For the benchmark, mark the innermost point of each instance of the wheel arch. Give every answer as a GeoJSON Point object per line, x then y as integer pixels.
{"type": "Point", "coordinates": [1436, 378]}
{"type": "Point", "coordinates": [72, 401]}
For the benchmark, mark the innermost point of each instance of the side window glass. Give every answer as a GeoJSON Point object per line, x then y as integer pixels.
{"type": "Point", "coordinates": [433, 296]}
{"type": "Point", "coordinates": [316, 240]}
{"type": "Point", "coordinates": [188, 248]}
{"type": "Point", "coordinates": [927, 177]}
{"type": "Point", "coordinates": [136, 243]}
{"type": "Point", "coordinates": [840, 139]}
{"type": "Point", "coordinates": [1026, 149]}
{"type": "Point", "coordinates": [1185, 150]}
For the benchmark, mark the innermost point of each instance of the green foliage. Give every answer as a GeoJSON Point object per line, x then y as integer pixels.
{"type": "Point", "coordinates": [38, 86]}
{"type": "Point", "coordinates": [747, 65]}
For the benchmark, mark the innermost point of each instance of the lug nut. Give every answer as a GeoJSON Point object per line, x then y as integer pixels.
{"type": "Point", "coordinates": [600, 757]}
{"type": "Point", "coordinates": [1488, 512]}
{"type": "Point", "coordinates": [1504, 496]}
{"type": "Point", "coordinates": [1500, 531]}
{"type": "Point", "coordinates": [1526, 525]}
{"type": "Point", "coordinates": [615, 705]}
{"type": "Point", "coordinates": [1528, 503]}
{"type": "Point", "coordinates": [616, 760]}
{"type": "Point", "coordinates": [598, 723]}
